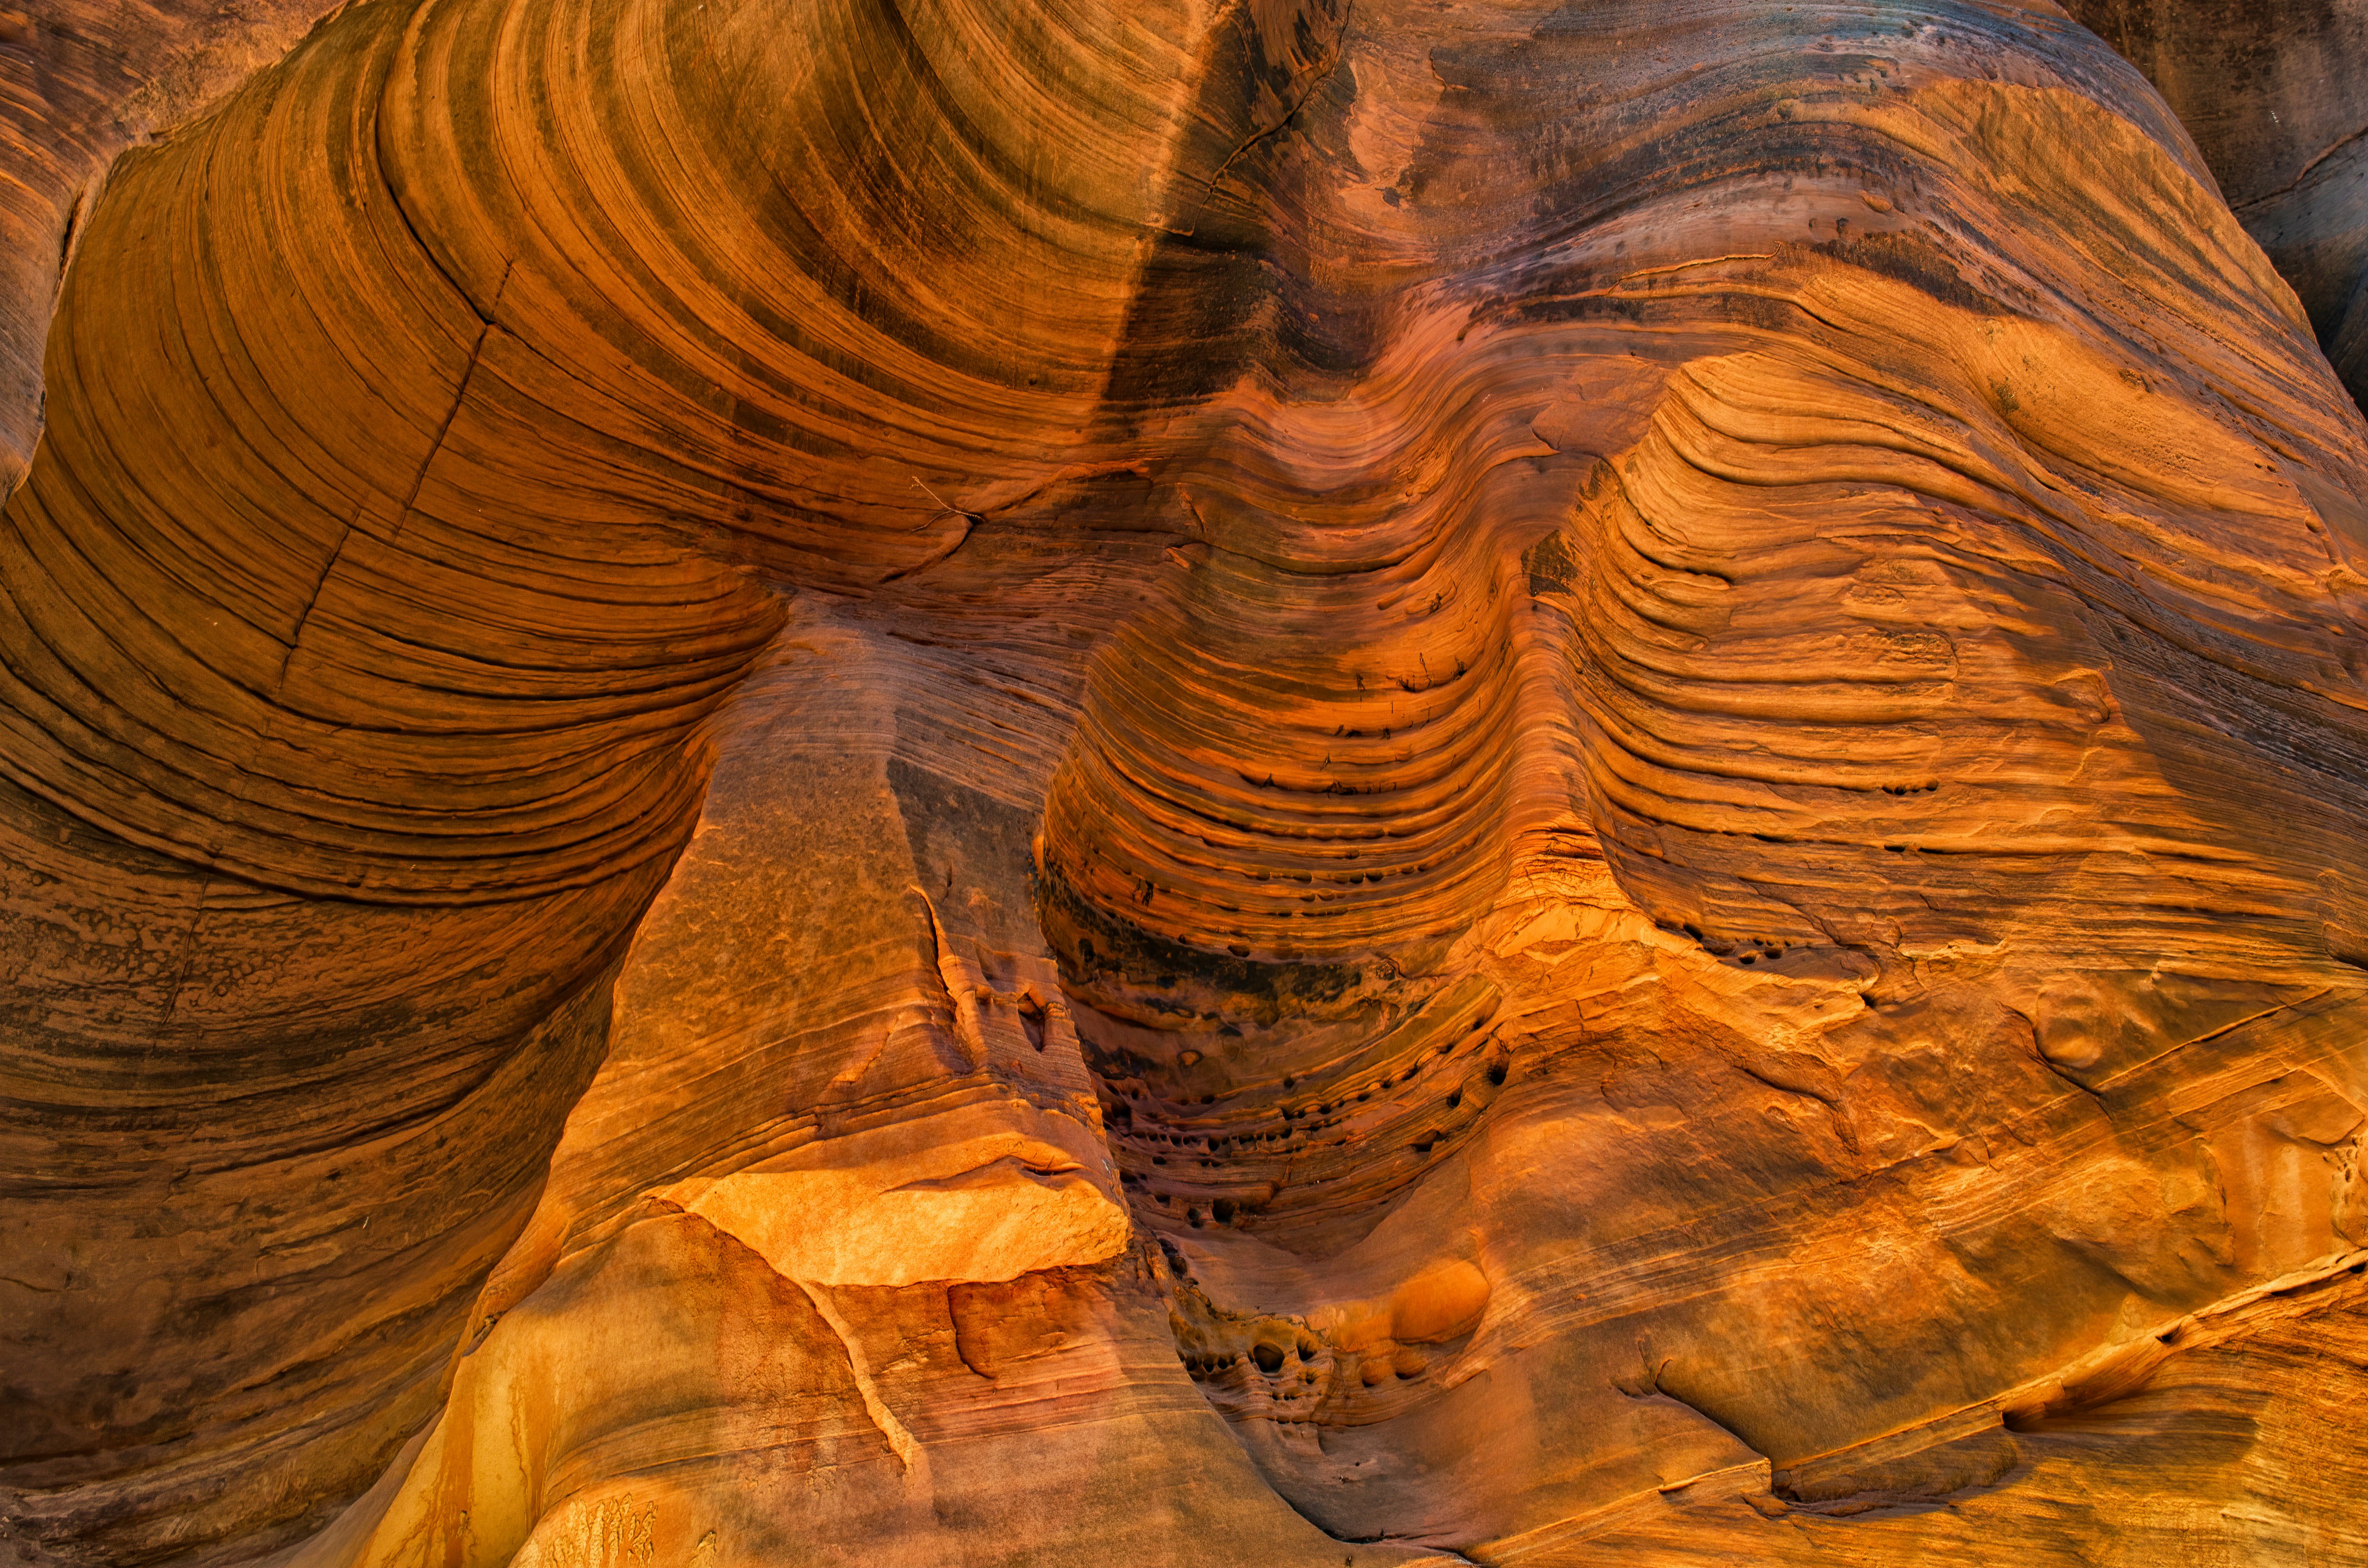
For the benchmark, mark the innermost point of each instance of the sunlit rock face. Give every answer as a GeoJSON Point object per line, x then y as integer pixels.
{"type": "Point", "coordinates": [811, 782]}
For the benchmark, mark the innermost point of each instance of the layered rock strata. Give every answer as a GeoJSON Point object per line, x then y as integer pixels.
{"type": "Point", "coordinates": [1261, 782]}
{"type": "Point", "coordinates": [2274, 97]}
{"type": "Point", "coordinates": [80, 81]}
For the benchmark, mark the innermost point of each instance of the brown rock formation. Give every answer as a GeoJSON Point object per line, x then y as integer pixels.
{"type": "Point", "coordinates": [1224, 783]}
{"type": "Point", "coordinates": [80, 80]}
{"type": "Point", "coordinates": [2278, 105]}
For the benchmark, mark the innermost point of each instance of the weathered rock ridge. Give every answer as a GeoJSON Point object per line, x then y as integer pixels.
{"type": "Point", "coordinates": [817, 781]}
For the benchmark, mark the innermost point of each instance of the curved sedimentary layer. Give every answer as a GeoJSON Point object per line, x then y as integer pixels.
{"type": "Point", "coordinates": [1602, 767]}
{"type": "Point", "coordinates": [80, 81]}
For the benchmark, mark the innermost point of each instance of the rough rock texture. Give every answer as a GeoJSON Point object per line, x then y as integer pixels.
{"type": "Point", "coordinates": [2275, 96]}
{"type": "Point", "coordinates": [802, 781]}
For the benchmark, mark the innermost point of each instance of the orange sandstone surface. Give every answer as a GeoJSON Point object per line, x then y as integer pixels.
{"type": "Point", "coordinates": [1217, 782]}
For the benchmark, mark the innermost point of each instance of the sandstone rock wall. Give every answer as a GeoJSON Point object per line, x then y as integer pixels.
{"type": "Point", "coordinates": [2274, 96]}
{"type": "Point", "coordinates": [789, 781]}
{"type": "Point", "coordinates": [80, 80]}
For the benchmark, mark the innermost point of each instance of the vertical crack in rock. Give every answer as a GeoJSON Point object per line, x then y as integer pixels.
{"type": "Point", "coordinates": [908, 1453]}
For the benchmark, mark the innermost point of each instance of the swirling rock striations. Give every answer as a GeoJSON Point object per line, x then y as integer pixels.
{"type": "Point", "coordinates": [80, 80]}
{"type": "Point", "coordinates": [1253, 783]}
